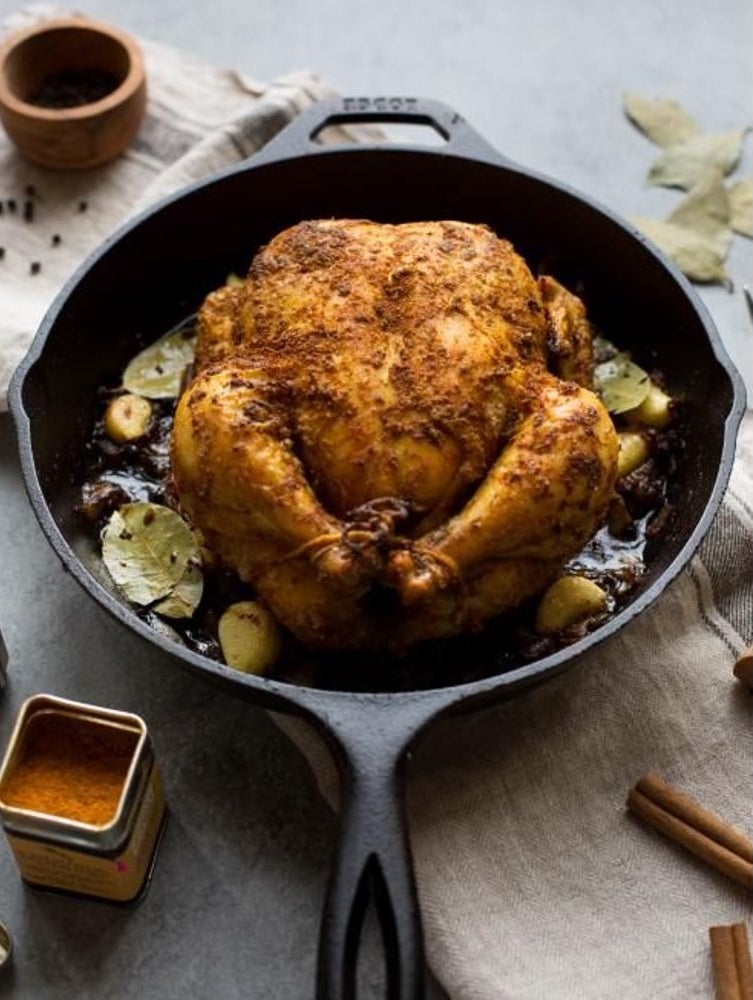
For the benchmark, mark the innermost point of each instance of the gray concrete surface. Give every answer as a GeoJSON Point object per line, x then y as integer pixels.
{"type": "Point", "coordinates": [233, 909]}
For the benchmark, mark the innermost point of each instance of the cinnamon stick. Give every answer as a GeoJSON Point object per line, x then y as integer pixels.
{"type": "Point", "coordinates": [743, 960]}
{"type": "Point", "coordinates": [693, 827]}
{"type": "Point", "coordinates": [743, 669]}
{"type": "Point", "coordinates": [725, 968]}
{"type": "Point", "coordinates": [730, 955]}
{"type": "Point", "coordinates": [689, 811]}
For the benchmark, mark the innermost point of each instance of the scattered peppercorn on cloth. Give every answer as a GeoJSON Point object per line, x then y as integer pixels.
{"type": "Point", "coordinates": [534, 881]}
{"type": "Point", "coordinates": [199, 118]}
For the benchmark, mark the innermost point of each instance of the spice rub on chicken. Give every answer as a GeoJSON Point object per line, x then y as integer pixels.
{"type": "Point", "coordinates": [391, 432]}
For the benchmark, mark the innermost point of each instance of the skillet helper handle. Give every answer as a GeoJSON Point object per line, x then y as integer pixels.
{"type": "Point", "coordinates": [299, 137]}
{"type": "Point", "coordinates": [373, 863]}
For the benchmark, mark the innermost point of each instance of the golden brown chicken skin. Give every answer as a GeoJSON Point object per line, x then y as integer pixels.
{"type": "Point", "coordinates": [373, 437]}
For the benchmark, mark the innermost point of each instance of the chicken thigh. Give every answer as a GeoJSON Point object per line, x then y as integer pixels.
{"type": "Point", "coordinates": [390, 431]}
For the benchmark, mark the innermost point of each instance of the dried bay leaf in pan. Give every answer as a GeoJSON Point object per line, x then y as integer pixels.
{"type": "Point", "coordinates": [157, 371]}
{"type": "Point", "coordinates": [741, 206]}
{"type": "Point", "coordinates": [185, 596]}
{"type": "Point", "coordinates": [152, 555]}
{"type": "Point", "coordinates": [684, 163]}
{"type": "Point", "coordinates": [663, 121]}
{"type": "Point", "coordinates": [621, 383]}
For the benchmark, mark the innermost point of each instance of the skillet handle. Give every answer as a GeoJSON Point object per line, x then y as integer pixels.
{"type": "Point", "coordinates": [299, 137]}
{"type": "Point", "coordinates": [371, 737]}
{"type": "Point", "coordinates": [373, 863]}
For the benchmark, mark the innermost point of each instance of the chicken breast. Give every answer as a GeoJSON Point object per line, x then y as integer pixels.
{"type": "Point", "coordinates": [390, 431]}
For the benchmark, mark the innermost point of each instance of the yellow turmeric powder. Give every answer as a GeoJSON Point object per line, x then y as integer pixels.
{"type": "Point", "coordinates": [71, 768]}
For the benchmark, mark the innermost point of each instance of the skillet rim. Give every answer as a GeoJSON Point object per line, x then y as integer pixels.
{"type": "Point", "coordinates": [283, 694]}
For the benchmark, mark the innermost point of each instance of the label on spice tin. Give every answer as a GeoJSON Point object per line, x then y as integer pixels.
{"type": "Point", "coordinates": [119, 878]}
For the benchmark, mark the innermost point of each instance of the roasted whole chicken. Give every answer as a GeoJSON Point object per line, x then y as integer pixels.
{"type": "Point", "coordinates": [390, 431]}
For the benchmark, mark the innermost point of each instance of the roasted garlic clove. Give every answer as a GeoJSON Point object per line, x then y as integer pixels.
{"type": "Point", "coordinates": [655, 410]}
{"type": "Point", "coordinates": [567, 601]}
{"type": "Point", "coordinates": [634, 450]}
{"type": "Point", "coordinates": [250, 637]}
{"type": "Point", "coordinates": [127, 418]}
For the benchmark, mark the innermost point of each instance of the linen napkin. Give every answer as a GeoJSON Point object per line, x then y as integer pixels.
{"type": "Point", "coordinates": [534, 881]}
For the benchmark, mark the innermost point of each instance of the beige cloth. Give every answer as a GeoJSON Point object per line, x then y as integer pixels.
{"type": "Point", "coordinates": [534, 882]}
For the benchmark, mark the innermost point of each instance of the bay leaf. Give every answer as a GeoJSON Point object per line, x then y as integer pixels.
{"type": "Point", "coordinates": [621, 383]}
{"type": "Point", "coordinates": [706, 210]}
{"type": "Point", "coordinates": [157, 371]}
{"type": "Point", "coordinates": [696, 255]}
{"type": "Point", "coordinates": [184, 598]}
{"type": "Point", "coordinates": [663, 121]}
{"type": "Point", "coordinates": [741, 206]}
{"type": "Point", "coordinates": [683, 164]}
{"type": "Point", "coordinates": [151, 554]}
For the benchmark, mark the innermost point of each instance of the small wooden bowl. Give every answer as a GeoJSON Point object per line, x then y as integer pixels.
{"type": "Point", "coordinates": [85, 135]}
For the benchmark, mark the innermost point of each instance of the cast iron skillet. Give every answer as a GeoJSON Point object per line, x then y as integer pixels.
{"type": "Point", "coordinates": [157, 269]}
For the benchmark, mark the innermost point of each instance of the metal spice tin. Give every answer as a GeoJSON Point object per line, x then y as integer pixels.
{"type": "Point", "coordinates": [110, 859]}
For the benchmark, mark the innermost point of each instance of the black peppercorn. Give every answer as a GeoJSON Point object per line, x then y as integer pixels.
{"type": "Point", "coordinates": [2, 253]}
{"type": "Point", "coordinates": [71, 88]}
{"type": "Point", "coordinates": [29, 211]}
{"type": "Point", "coordinates": [35, 267]}
{"type": "Point", "coordinates": [82, 206]}
{"type": "Point", "coordinates": [11, 205]}
{"type": "Point", "coordinates": [55, 241]}
{"type": "Point", "coordinates": [30, 190]}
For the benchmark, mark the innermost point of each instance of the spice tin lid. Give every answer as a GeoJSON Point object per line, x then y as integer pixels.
{"type": "Point", "coordinates": [6, 945]}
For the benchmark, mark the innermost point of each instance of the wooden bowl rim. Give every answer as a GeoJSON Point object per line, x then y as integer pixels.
{"type": "Point", "coordinates": [134, 79]}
